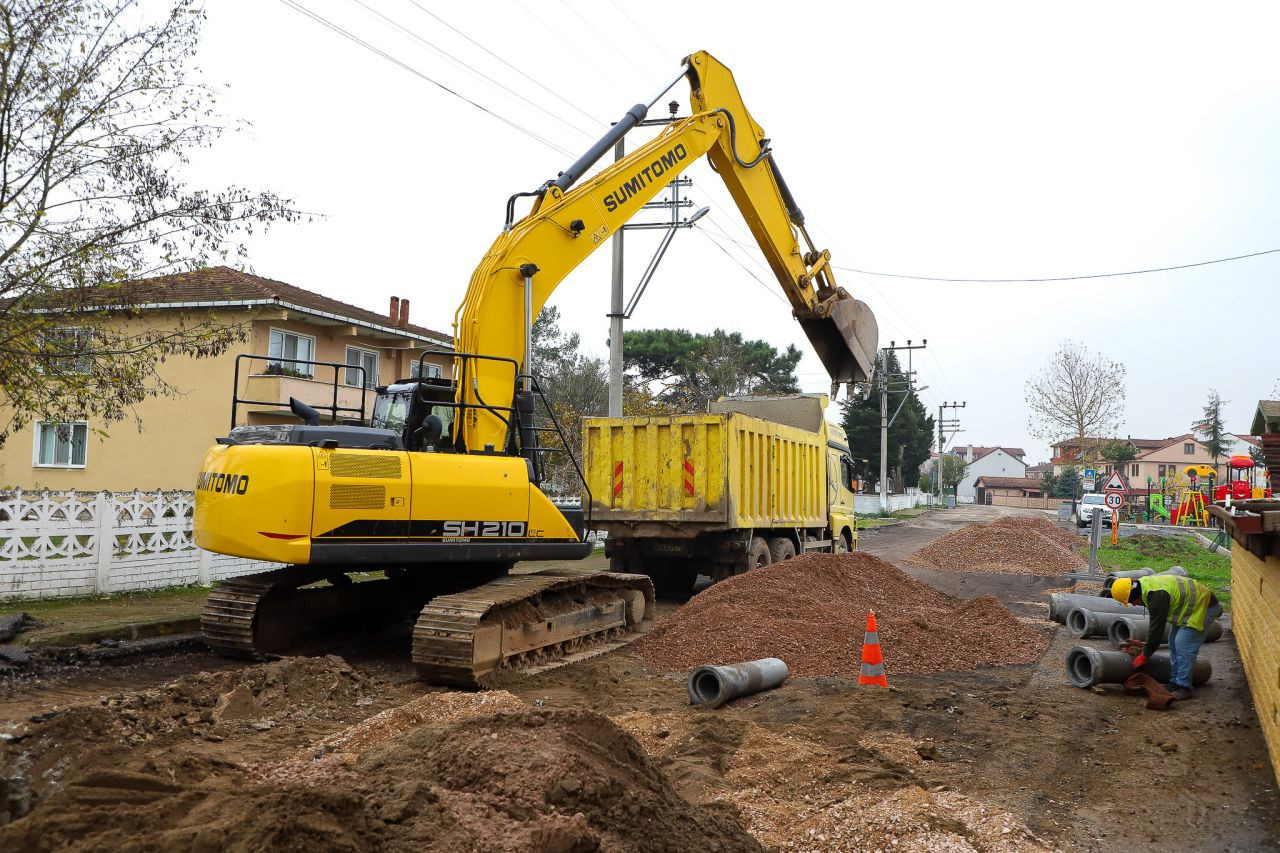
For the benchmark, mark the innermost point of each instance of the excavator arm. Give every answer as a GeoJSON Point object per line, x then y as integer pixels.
{"type": "Point", "coordinates": [532, 256]}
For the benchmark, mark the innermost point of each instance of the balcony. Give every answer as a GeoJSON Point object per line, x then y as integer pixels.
{"type": "Point", "coordinates": [317, 392]}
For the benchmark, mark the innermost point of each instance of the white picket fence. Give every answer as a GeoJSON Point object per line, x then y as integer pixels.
{"type": "Point", "coordinates": [58, 544]}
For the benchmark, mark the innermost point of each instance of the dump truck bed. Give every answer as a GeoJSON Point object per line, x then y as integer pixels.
{"type": "Point", "coordinates": [704, 472]}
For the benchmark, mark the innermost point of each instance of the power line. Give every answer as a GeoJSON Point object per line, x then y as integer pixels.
{"type": "Point", "coordinates": [347, 34]}
{"type": "Point", "coordinates": [514, 68]}
{"type": "Point", "coordinates": [474, 71]}
{"type": "Point", "coordinates": [636, 25]}
{"type": "Point", "coordinates": [745, 268]}
{"type": "Point", "coordinates": [1061, 277]}
{"type": "Point", "coordinates": [604, 38]}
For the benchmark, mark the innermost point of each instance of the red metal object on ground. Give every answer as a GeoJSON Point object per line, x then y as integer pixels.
{"type": "Point", "coordinates": [1158, 698]}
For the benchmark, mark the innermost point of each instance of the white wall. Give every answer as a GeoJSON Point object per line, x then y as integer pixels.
{"type": "Point", "coordinates": [59, 544]}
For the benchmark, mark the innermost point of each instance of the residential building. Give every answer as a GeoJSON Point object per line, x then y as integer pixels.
{"type": "Point", "coordinates": [288, 332]}
{"type": "Point", "coordinates": [986, 488]}
{"type": "Point", "coordinates": [989, 462]}
{"type": "Point", "coordinates": [1037, 472]}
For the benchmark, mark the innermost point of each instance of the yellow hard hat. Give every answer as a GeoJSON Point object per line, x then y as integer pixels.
{"type": "Point", "coordinates": [1120, 589]}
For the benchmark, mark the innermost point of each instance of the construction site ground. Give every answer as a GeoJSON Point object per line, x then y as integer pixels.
{"type": "Point", "coordinates": [1000, 758]}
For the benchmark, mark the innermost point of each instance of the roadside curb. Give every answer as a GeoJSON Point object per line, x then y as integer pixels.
{"type": "Point", "coordinates": [121, 633]}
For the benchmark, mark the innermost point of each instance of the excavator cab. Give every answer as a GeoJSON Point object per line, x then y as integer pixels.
{"type": "Point", "coordinates": [420, 410]}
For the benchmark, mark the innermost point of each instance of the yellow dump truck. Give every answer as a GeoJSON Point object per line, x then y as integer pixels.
{"type": "Point", "coordinates": [754, 481]}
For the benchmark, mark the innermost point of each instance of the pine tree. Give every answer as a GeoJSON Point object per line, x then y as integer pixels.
{"type": "Point", "coordinates": [1212, 428]}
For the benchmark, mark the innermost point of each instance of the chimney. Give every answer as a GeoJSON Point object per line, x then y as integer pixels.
{"type": "Point", "coordinates": [968, 457]}
{"type": "Point", "coordinates": [404, 314]}
{"type": "Point", "coordinates": [395, 310]}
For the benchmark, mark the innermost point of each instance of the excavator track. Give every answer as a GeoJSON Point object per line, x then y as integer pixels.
{"type": "Point", "coordinates": [270, 613]}
{"type": "Point", "coordinates": [528, 622]}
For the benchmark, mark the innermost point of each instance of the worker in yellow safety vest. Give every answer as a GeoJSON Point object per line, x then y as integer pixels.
{"type": "Point", "coordinates": [1182, 603]}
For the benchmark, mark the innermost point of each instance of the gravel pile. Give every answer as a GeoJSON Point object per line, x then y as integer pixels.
{"type": "Point", "coordinates": [1011, 546]}
{"type": "Point", "coordinates": [811, 611]}
{"type": "Point", "coordinates": [1040, 525]}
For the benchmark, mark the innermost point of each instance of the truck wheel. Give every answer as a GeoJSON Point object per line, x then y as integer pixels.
{"type": "Point", "coordinates": [780, 548]}
{"type": "Point", "coordinates": [842, 544]}
{"type": "Point", "coordinates": [759, 556]}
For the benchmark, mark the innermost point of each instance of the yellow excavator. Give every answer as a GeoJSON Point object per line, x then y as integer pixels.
{"type": "Point", "coordinates": [440, 495]}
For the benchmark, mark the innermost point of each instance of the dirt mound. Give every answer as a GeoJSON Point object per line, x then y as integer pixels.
{"type": "Point", "coordinates": [331, 762]}
{"type": "Point", "coordinates": [212, 706]}
{"type": "Point", "coordinates": [442, 773]}
{"type": "Point", "coordinates": [562, 780]}
{"type": "Point", "coordinates": [104, 810]}
{"type": "Point", "coordinates": [811, 611]}
{"type": "Point", "coordinates": [1003, 547]}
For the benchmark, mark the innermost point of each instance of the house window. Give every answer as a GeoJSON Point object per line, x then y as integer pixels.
{"type": "Point", "coordinates": [66, 350]}
{"type": "Point", "coordinates": [294, 351]}
{"type": "Point", "coordinates": [61, 445]}
{"type": "Point", "coordinates": [1189, 448]}
{"type": "Point", "coordinates": [1133, 470]}
{"type": "Point", "coordinates": [428, 370]}
{"type": "Point", "coordinates": [368, 359]}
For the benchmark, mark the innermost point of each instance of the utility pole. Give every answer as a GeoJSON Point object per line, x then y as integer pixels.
{"type": "Point", "coordinates": [615, 311]}
{"type": "Point", "coordinates": [943, 423]}
{"type": "Point", "coordinates": [619, 308]}
{"type": "Point", "coordinates": [884, 379]}
{"type": "Point", "coordinates": [884, 434]}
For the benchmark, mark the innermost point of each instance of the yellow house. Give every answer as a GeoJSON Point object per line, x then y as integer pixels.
{"type": "Point", "coordinates": [290, 334]}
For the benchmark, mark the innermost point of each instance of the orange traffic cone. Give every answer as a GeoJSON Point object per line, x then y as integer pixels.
{"type": "Point", "coordinates": [872, 661]}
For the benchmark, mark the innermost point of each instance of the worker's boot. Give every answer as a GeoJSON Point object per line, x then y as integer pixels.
{"type": "Point", "coordinates": [1177, 691]}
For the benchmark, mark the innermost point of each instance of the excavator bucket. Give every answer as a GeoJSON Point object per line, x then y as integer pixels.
{"type": "Point", "coordinates": [846, 341]}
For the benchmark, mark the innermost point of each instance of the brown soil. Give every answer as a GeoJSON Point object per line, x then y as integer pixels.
{"type": "Point", "coordinates": [1012, 545]}
{"type": "Point", "coordinates": [811, 612]}
{"type": "Point", "coordinates": [444, 771]}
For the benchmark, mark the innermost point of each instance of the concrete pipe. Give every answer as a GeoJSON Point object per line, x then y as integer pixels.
{"type": "Point", "coordinates": [712, 686]}
{"type": "Point", "coordinates": [1087, 666]}
{"type": "Point", "coordinates": [1088, 623]}
{"type": "Point", "coordinates": [1135, 628]}
{"type": "Point", "coordinates": [1062, 603]}
{"type": "Point", "coordinates": [1174, 570]}
{"type": "Point", "coordinates": [1132, 573]}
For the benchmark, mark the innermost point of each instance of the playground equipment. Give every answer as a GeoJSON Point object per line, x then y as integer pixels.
{"type": "Point", "coordinates": [1191, 510]}
{"type": "Point", "coordinates": [1155, 504]}
{"type": "Point", "coordinates": [1241, 481]}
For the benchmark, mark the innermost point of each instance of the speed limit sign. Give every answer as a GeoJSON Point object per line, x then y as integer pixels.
{"type": "Point", "coordinates": [1114, 500]}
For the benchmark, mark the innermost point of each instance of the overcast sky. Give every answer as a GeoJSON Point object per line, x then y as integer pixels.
{"type": "Point", "coordinates": [975, 140]}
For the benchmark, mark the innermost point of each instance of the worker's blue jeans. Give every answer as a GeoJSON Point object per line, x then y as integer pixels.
{"type": "Point", "coordinates": [1184, 645]}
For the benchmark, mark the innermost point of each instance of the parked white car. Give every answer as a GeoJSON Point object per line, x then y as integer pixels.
{"type": "Point", "coordinates": [1089, 504]}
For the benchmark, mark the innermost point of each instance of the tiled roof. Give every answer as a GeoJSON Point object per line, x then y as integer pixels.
{"type": "Point", "coordinates": [1169, 442]}
{"type": "Point", "coordinates": [1030, 483]}
{"type": "Point", "coordinates": [227, 286]}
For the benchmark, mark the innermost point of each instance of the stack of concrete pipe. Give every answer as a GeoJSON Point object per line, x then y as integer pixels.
{"type": "Point", "coordinates": [1101, 616]}
{"type": "Point", "coordinates": [1088, 666]}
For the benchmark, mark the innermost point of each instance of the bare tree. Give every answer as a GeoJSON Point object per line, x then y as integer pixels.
{"type": "Point", "coordinates": [1077, 394]}
{"type": "Point", "coordinates": [97, 119]}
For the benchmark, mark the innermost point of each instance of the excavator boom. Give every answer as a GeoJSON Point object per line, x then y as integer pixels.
{"type": "Point", "coordinates": [532, 256]}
